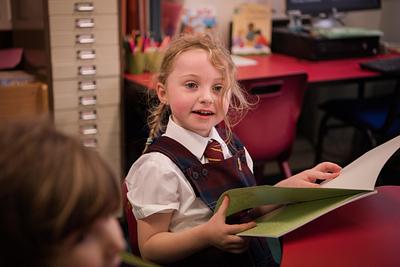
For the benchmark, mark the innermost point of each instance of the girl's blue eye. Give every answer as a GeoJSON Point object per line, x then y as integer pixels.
{"type": "Point", "coordinates": [191, 85]}
{"type": "Point", "coordinates": [218, 88]}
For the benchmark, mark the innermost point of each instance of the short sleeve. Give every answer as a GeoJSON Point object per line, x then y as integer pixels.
{"type": "Point", "coordinates": [153, 185]}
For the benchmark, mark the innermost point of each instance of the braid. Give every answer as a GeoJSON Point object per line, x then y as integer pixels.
{"type": "Point", "coordinates": [157, 122]}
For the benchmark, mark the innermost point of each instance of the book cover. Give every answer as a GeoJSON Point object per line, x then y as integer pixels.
{"type": "Point", "coordinates": [251, 30]}
{"type": "Point", "coordinates": [302, 205]}
{"type": "Point", "coordinates": [199, 19]}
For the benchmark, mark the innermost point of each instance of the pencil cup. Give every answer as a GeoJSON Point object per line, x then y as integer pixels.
{"type": "Point", "coordinates": [153, 61]}
{"type": "Point", "coordinates": [136, 63]}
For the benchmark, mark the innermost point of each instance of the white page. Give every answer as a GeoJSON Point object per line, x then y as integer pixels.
{"type": "Point", "coordinates": [363, 172]}
{"type": "Point", "coordinates": [243, 61]}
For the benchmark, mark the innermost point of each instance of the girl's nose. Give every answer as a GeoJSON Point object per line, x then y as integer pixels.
{"type": "Point", "coordinates": [206, 96]}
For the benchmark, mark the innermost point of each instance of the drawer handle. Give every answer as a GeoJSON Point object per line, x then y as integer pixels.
{"type": "Point", "coordinates": [89, 129]}
{"type": "Point", "coordinates": [90, 142]}
{"type": "Point", "coordinates": [84, 23]}
{"type": "Point", "coordinates": [86, 115]}
{"type": "Point", "coordinates": [84, 7]}
{"type": "Point", "coordinates": [85, 38]}
{"type": "Point", "coordinates": [86, 70]}
{"type": "Point", "coordinates": [86, 54]}
{"type": "Point", "coordinates": [87, 100]}
{"type": "Point", "coordinates": [87, 85]}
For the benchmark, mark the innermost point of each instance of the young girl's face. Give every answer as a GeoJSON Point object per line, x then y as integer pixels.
{"type": "Point", "coordinates": [193, 91]}
{"type": "Point", "coordinates": [99, 247]}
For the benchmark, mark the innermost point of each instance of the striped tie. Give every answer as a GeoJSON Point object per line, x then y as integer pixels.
{"type": "Point", "coordinates": [213, 152]}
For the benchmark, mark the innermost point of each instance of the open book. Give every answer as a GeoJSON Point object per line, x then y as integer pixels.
{"type": "Point", "coordinates": [302, 205]}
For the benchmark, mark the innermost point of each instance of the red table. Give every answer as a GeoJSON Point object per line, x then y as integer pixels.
{"type": "Point", "coordinates": [319, 72]}
{"type": "Point", "coordinates": [363, 233]}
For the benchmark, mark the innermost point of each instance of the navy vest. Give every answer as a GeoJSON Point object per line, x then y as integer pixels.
{"type": "Point", "coordinates": [209, 181]}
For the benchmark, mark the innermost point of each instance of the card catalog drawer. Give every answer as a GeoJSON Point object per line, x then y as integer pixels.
{"type": "Point", "coordinates": [86, 129]}
{"type": "Point", "coordinates": [74, 56]}
{"type": "Point", "coordinates": [67, 94]}
{"type": "Point", "coordinates": [84, 39]}
{"type": "Point", "coordinates": [109, 148]}
{"type": "Point", "coordinates": [83, 23]}
{"type": "Point", "coordinates": [68, 7]}
{"type": "Point", "coordinates": [100, 68]}
{"type": "Point", "coordinates": [100, 116]}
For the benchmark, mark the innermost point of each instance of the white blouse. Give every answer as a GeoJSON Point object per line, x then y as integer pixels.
{"type": "Point", "coordinates": [156, 185]}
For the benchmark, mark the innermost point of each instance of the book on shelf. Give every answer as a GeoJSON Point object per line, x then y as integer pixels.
{"type": "Point", "coordinates": [302, 205]}
{"type": "Point", "coordinates": [199, 18]}
{"type": "Point", "coordinates": [251, 29]}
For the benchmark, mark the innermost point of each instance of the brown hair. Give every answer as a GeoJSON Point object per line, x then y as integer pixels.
{"type": "Point", "coordinates": [220, 59]}
{"type": "Point", "coordinates": [50, 187]}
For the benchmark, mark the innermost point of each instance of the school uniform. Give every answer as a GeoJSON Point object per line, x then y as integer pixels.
{"type": "Point", "coordinates": [175, 176]}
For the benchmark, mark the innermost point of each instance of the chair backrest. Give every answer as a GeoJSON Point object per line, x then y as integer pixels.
{"type": "Point", "coordinates": [23, 100]}
{"type": "Point", "coordinates": [130, 220]}
{"type": "Point", "coordinates": [268, 130]}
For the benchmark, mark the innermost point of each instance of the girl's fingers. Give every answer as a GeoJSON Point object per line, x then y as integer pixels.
{"type": "Point", "coordinates": [238, 228]}
{"type": "Point", "coordinates": [327, 167]}
{"type": "Point", "coordinates": [224, 207]}
{"type": "Point", "coordinates": [318, 175]}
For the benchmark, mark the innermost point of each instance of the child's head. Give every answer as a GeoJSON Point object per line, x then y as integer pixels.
{"type": "Point", "coordinates": [58, 200]}
{"type": "Point", "coordinates": [185, 64]}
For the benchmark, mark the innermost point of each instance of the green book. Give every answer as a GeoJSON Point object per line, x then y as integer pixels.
{"type": "Point", "coordinates": [302, 205]}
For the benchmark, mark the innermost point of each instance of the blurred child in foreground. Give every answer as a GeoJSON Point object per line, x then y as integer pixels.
{"type": "Point", "coordinates": [58, 200]}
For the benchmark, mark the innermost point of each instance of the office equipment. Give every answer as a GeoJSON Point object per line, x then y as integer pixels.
{"type": "Point", "coordinates": [326, 6]}
{"type": "Point", "coordinates": [386, 66]}
{"type": "Point", "coordinates": [278, 104]}
{"type": "Point", "coordinates": [363, 233]}
{"type": "Point", "coordinates": [325, 13]}
{"type": "Point", "coordinates": [308, 45]}
{"type": "Point", "coordinates": [302, 205]}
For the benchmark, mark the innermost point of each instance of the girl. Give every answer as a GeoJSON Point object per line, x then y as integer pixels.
{"type": "Point", "coordinates": [173, 186]}
{"type": "Point", "coordinates": [58, 201]}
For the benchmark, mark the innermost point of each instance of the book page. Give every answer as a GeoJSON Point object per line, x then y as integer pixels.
{"type": "Point", "coordinates": [363, 172]}
{"type": "Point", "coordinates": [291, 217]}
{"type": "Point", "coordinates": [250, 197]}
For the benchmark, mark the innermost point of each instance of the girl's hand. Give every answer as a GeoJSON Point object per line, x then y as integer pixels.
{"type": "Point", "coordinates": [222, 235]}
{"type": "Point", "coordinates": [307, 178]}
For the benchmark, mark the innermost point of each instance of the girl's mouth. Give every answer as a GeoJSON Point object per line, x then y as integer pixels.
{"type": "Point", "coordinates": [203, 112]}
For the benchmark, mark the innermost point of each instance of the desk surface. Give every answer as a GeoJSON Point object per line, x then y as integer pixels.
{"type": "Point", "coordinates": [319, 72]}
{"type": "Point", "coordinates": [363, 233]}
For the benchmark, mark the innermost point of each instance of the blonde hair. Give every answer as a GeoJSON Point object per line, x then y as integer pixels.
{"type": "Point", "coordinates": [220, 59]}
{"type": "Point", "coordinates": [50, 187]}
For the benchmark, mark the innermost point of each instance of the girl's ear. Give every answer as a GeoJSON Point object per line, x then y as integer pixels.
{"type": "Point", "coordinates": [161, 93]}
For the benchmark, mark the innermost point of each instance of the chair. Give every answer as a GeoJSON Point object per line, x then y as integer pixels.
{"type": "Point", "coordinates": [23, 100]}
{"type": "Point", "coordinates": [130, 220]}
{"type": "Point", "coordinates": [377, 118]}
{"type": "Point", "coordinates": [268, 130]}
